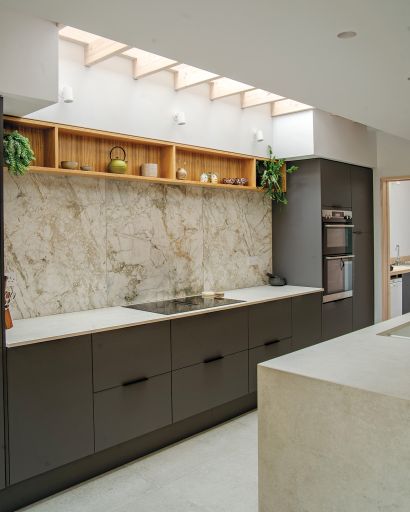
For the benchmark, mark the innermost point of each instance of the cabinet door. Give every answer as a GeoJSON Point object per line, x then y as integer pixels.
{"type": "Point", "coordinates": [362, 198]}
{"type": "Point", "coordinates": [125, 412]}
{"type": "Point", "coordinates": [335, 183]}
{"type": "Point", "coordinates": [406, 293]}
{"type": "Point", "coordinates": [50, 405]}
{"type": "Point", "coordinates": [206, 385]}
{"type": "Point", "coordinates": [127, 354]}
{"type": "Point", "coordinates": [201, 337]}
{"type": "Point", "coordinates": [336, 318]}
{"type": "Point", "coordinates": [363, 281]}
{"type": "Point", "coordinates": [270, 321]}
{"type": "Point", "coordinates": [264, 353]}
{"type": "Point", "coordinates": [2, 439]}
{"type": "Point", "coordinates": [306, 320]}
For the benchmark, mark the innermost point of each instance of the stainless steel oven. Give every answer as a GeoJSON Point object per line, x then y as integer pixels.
{"type": "Point", "coordinates": [337, 277]}
{"type": "Point", "coordinates": [337, 232]}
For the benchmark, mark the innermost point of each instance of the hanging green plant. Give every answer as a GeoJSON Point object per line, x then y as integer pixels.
{"type": "Point", "coordinates": [270, 176]}
{"type": "Point", "coordinates": [18, 154]}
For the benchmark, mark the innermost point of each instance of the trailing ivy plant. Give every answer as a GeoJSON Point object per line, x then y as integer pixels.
{"type": "Point", "coordinates": [17, 153]}
{"type": "Point", "coordinates": [270, 176]}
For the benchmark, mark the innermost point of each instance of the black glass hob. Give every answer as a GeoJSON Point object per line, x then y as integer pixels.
{"type": "Point", "coordinates": [183, 305]}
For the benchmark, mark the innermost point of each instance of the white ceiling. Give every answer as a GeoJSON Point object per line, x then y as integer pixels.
{"type": "Point", "coordinates": [286, 46]}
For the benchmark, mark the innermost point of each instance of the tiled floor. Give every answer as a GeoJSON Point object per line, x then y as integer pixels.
{"type": "Point", "coordinates": [215, 471]}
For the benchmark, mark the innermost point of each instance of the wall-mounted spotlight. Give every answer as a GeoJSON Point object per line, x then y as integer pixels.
{"type": "Point", "coordinates": [67, 94]}
{"type": "Point", "coordinates": [179, 118]}
{"type": "Point", "coordinates": [259, 135]}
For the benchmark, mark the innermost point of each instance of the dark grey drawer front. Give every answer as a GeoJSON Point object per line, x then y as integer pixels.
{"type": "Point", "coordinates": [259, 354]}
{"type": "Point", "coordinates": [306, 320]}
{"type": "Point", "coordinates": [127, 354]}
{"type": "Point", "coordinates": [270, 321]}
{"type": "Point", "coordinates": [50, 405]}
{"type": "Point", "coordinates": [337, 318]}
{"type": "Point", "coordinates": [125, 412]}
{"type": "Point", "coordinates": [206, 385]}
{"type": "Point", "coordinates": [199, 337]}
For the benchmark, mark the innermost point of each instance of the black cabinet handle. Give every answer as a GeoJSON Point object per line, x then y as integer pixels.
{"type": "Point", "coordinates": [267, 343]}
{"type": "Point", "coordinates": [135, 381]}
{"type": "Point", "coordinates": [212, 359]}
{"type": "Point", "coordinates": [357, 232]}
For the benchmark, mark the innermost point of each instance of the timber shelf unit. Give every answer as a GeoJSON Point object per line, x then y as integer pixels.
{"type": "Point", "coordinates": [53, 143]}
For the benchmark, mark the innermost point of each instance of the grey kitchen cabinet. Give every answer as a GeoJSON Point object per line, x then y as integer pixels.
{"type": "Point", "coordinates": [270, 321]}
{"type": "Point", "coordinates": [335, 184]}
{"type": "Point", "coordinates": [270, 350]}
{"type": "Point", "coordinates": [362, 198]}
{"type": "Point", "coordinates": [337, 318]}
{"type": "Point", "coordinates": [306, 320]}
{"type": "Point", "coordinates": [200, 337]}
{"type": "Point", "coordinates": [130, 353]}
{"type": "Point", "coordinates": [208, 384]}
{"type": "Point", "coordinates": [2, 438]}
{"type": "Point", "coordinates": [132, 410]}
{"type": "Point", "coordinates": [363, 280]}
{"type": "Point", "coordinates": [50, 404]}
{"type": "Point", "coordinates": [406, 293]}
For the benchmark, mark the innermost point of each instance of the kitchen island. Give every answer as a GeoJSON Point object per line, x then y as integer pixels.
{"type": "Point", "coordinates": [334, 425]}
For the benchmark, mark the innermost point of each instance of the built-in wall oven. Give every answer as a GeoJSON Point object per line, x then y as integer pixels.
{"type": "Point", "coordinates": [338, 258]}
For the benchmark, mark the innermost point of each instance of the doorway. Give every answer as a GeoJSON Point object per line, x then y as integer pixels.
{"type": "Point", "coordinates": [395, 197]}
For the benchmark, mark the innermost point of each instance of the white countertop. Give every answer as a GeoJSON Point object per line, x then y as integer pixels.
{"type": "Point", "coordinates": [45, 328]}
{"type": "Point", "coordinates": [362, 359]}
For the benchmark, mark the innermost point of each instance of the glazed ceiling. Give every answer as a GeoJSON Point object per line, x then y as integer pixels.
{"type": "Point", "coordinates": [285, 46]}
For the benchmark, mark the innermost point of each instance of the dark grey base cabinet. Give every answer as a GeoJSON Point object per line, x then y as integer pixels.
{"type": "Point", "coordinates": [2, 439]}
{"type": "Point", "coordinates": [270, 322]}
{"type": "Point", "coordinates": [337, 318]}
{"type": "Point", "coordinates": [406, 293]}
{"type": "Point", "coordinates": [50, 405]}
{"type": "Point", "coordinates": [264, 353]}
{"type": "Point", "coordinates": [306, 320]}
{"type": "Point", "coordinates": [209, 384]}
{"type": "Point", "coordinates": [125, 412]}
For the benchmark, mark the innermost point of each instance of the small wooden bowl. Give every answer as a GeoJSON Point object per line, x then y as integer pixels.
{"type": "Point", "coordinates": [69, 164]}
{"type": "Point", "coordinates": [86, 167]}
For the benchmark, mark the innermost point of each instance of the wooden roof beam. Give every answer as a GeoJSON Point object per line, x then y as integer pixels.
{"type": "Point", "coordinates": [102, 49]}
{"type": "Point", "coordinates": [188, 76]}
{"type": "Point", "coordinates": [258, 97]}
{"type": "Point", "coordinates": [146, 63]}
{"type": "Point", "coordinates": [224, 87]}
{"type": "Point", "coordinates": [287, 106]}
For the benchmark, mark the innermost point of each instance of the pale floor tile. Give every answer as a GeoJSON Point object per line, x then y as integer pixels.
{"type": "Point", "coordinates": [215, 471]}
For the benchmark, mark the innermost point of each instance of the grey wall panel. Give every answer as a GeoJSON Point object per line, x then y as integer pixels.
{"type": "Point", "coordinates": [297, 229]}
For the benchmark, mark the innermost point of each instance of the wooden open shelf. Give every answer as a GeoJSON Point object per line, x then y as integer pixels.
{"type": "Point", "coordinates": [53, 143]}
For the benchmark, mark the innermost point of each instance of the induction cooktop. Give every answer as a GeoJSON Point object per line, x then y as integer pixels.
{"type": "Point", "coordinates": [183, 305]}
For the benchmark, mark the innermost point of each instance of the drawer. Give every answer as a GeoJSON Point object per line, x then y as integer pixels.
{"type": "Point", "coordinates": [264, 353]}
{"type": "Point", "coordinates": [337, 318]}
{"type": "Point", "coordinates": [270, 321]}
{"type": "Point", "coordinates": [125, 412]}
{"type": "Point", "coordinates": [126, 354]}
{"type": "Point", "coordinates": [207, 385]}
{"type": "Point", "coordinates": [200, 337]}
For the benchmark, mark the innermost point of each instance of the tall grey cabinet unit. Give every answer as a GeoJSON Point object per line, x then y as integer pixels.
{"type": "Point", "coordinates": [2, 437]}
{"type": "Point", "coordinates": [297, 237]}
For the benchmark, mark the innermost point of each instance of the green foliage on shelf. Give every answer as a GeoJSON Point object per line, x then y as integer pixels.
{"type": "Point", "coordinates": [17, 153]}
{"type": "Point", "coordinates": [269, 174]}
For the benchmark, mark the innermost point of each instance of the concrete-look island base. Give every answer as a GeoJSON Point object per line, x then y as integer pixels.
{"type": "Point", "coordinates": [334, 425]}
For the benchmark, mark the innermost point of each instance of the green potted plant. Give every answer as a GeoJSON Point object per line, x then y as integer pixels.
{"type": "Point", "coordinates": [271, 173]}
{"type": "Point", "coordinates": [18, 154]}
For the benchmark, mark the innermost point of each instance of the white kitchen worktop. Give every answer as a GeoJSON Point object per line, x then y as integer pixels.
{"type": "Point", "coordinates": [35, 330]}
{"type": "Point", "coordinates": [362, 359]}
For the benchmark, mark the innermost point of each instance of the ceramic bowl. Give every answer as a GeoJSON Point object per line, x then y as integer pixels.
{"type": "Point", "coordinates": [86, 167]}
{"type": "Point", "coordinates": [69, 164]}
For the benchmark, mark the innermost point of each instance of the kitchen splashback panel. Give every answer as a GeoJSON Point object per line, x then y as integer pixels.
{"type": "Point", "coordinates": [75, 244]}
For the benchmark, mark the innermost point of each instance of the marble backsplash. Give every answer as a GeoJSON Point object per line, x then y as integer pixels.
{"type": "Point", "coordinates": [74, 243]}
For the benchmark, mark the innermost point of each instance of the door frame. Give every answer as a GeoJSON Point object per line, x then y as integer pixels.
{"type": "Point", "coordinates": [385, 239]}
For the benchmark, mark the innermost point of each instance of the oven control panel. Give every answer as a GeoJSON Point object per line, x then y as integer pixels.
{"type": "Point", "coordinates": [337, 215]}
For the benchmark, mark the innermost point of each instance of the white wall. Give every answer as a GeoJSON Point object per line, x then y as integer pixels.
{"type": "Point", "coordinates": [28, 62]}
{"type": "Point", "coordinates": [393, 159]}
{"type": "Point", "coordinates": [107, 98]}
{"type": "Point", "coordinates": [399, 201]}
{"type": "Point", "coordinates": [343, 140]}
{"type": "Point", "coordinates": [293, 135]}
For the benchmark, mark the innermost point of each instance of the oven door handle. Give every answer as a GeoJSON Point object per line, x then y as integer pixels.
{"type": "Point", "coordinates": [349, 257]}
{"type": "Point", "coordinates": [349, 226]}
